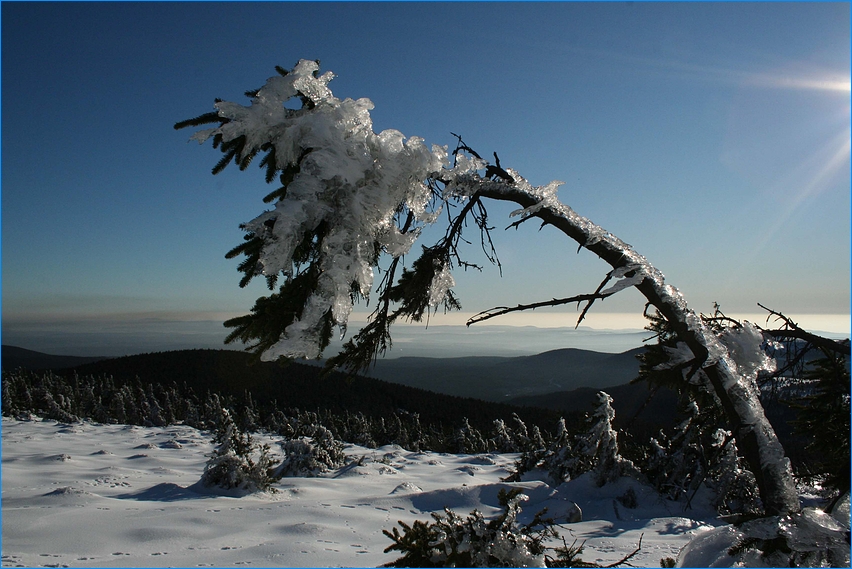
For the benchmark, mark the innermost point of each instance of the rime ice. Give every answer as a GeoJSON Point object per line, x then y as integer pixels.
{"type": "Point", "coordinates": [353, 180]}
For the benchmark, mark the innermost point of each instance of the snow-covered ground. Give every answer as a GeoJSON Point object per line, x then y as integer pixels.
{"type": "Point", "coordinates": [91, 495]}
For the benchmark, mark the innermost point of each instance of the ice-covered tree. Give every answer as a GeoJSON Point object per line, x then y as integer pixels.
{"type": "Point", "coordinates": [349, 196]}
{"type": "Point", "coordinates": [468, 440]}
{"type": "Point", "coordinates": [815, 371]}
{"type": "Point", "coordinates": [597, 450]}
{"type": "Point", "coordinates": [311, 456]}
{"type": "Point", "coordinates": [502, 438]}
{"type": "Point", "coordinates": [557, 459]}
{"type": "Point", "coordinates": [237, 462]}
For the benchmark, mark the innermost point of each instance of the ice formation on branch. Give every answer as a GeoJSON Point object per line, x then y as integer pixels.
{"type": "Point", "coordinates": [350, 180]}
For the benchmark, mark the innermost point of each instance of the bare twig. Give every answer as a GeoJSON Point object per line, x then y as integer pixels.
{"type": "Point", "coordinates": [462, 146]}
{"type": "Point", "coordinates": [623, 560]}
{"type": "Point", "coordinates": [589, 299]}
{"type": "Point", "coordinates": [501, 310]}
{"type": "Point", "coordinates": [597, 294]}
{"type": "Point", "coordinates": [476, 209]}
{"type": "Point", "coordinates": [792, 330]}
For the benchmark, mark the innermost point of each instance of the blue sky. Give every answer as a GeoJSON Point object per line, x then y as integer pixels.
{"type": "Point", "coordinates": [713, 137]}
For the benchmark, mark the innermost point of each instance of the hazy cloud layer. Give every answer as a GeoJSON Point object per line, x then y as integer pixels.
{"type": "Point", "coordinates": [125, 334]}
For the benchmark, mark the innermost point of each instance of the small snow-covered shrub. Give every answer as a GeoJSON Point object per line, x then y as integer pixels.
{"type": "Point", "coordinates": [309, 456]}
{"type": "Point", "coordinates": [473, 541]}
{"type": "Point", "coordinates": [238, 462]}
{"type": "Point", "coordinates": [558, 461]}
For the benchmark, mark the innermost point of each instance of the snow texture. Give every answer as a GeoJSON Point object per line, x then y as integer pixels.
{"type": "Point", "coordinates": [108, 506]}
{"type": "Point", "coordinates": [817, 540]}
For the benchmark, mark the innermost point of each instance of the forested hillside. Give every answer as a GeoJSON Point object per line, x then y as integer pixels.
{"type": "Point", "coordinates": [298, 385]}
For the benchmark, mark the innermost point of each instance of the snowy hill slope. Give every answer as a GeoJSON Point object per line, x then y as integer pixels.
{"type": "Point", "coordinates": [88, 495]}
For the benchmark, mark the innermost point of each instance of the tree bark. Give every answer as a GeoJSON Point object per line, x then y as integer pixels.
{"type": "Point", "coordinates": [754, 435]}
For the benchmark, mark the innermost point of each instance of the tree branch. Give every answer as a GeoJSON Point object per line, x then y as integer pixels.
{"type": "Point", "coordinates": [501, 310]}
{"type": "Point", "coordinates": [755, 436]}
{"type": "Point", "coordinates": [792, 330]}
{"type": "Point", "coordinates": [597, 294]}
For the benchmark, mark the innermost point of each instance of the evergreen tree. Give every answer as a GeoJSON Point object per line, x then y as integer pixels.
{"type": "Point", "coordinates": [418, 438]}
{"type": "Point", "coordinates": [732, 482]}
{"type": "Point", "coordinates": [502, 438]}
{"type": "Point", "coordinates": [468, 440]}
{"type": "Point", "coordinates": [167, 408]}
{"type": "Point", "coordinates": [9, 393]}
{"type": "Point", "coordinates": [557, 459]}
{"type": "Point", "coordinates": [191, 415]}
{"type": "Point", "coordinates": [677, 464]}
{"type": "Point", "coordinates": [824, 417]}
{"type": "Point", "coordinates": [238, 462]}
{"type": "Point", "coordinates": [311, 456]}
{"type": "Point", "coordinates": [212, 410]}
{"type": "Point", "coordinates": [155, 416]}
{"type": "Point", "coordinates": [521, 433]}
{"type": "Point", "coordinates": [249, 419]}
{"type": "Point", "coordinates": [85, 400]}
{"type": "Point", "coordinates": [537, 439]}
{"type": "Point", "coordinates": [100, 413]}
{"type": "Point", "coordinates": [117, 409]}
{"type": "Point", "coordinates": [597, 449]}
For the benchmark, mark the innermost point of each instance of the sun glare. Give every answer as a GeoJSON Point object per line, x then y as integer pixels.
{"type": "Point", "coordinates": [819, 169]}
{"type": "Point", "coordinates": [842, 85]}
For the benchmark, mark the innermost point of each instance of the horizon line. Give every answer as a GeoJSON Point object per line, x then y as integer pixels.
{"type": "Point", "coordinates": [835, 323]}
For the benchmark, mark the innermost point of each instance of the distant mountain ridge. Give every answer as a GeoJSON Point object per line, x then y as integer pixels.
{"type": "Point", "coordinates": [504, 378]}
{"type": "Point", "coordinates": [13, 357]}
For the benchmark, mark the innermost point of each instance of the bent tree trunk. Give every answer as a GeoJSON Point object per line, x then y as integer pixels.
{"type": "Point", "coordinates": [754, 435]}
{"type": "Point", "coordinates": [343, 189]}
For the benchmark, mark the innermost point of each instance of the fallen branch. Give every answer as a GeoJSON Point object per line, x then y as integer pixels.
{"type": "Point", "coordinates": [624, 559]}
{"type": "Point", "coordinates": [570, 556]}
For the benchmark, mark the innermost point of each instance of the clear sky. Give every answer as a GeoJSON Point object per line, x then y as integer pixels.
{"type": "Point", "coordinates": [713, 137]}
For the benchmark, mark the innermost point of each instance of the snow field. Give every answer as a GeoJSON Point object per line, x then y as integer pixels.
{"type": "Point", "coordinates": [91, 495]}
